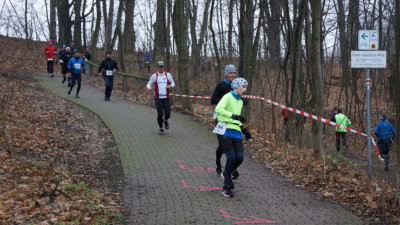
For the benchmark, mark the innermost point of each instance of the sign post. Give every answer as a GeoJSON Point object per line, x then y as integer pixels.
{"type": "Point", "coordinates": [368, 40]}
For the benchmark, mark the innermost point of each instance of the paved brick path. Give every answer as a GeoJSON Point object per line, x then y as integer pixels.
{"type": "Point", "coordinates": [159, 191]}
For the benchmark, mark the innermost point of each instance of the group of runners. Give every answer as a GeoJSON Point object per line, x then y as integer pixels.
{"type": "Point", "coordinates": [73, 66]}
{"type": "Point", "coordinates": [229, 101]}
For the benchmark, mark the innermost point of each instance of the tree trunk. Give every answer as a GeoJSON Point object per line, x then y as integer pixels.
{"type": "Point", "coordinates": [344, 46]}
{"type": "Point", "coordinates": [273, 34]}
{"type": "Point", "coordinates": [53, 24]}
{"type": "Point", "coordinates": [316, 129]}
{"type": "Point", "coordinates": [78, 25]}
{"type": "Point", "coordinates": [95, 35]}
{"type": "Point", "coordinates": [296, 68]}
{"type": "Point", "coordinates": [129, 33]}
{"type": "Point", "coordinates": [197, 44]}
{"type": "Point", "coordinates": [397, 95]}
{"type": "Point", "coordinates": [215, 41]}
{"type": "Point", "coordinates": [64, 22]}
{"type": "Point", "coordinates": [248, 44]}
{"type": "Point", "coordinates": [108, 30]}
{"type": "Point", "coordinates": [159, 31]}
{"type": "Point", "coordinates": [118, 25]}
{"type": "Point", "coordinates": [230, 30]}
{"type": "Point", "coordinates": [180, 26]}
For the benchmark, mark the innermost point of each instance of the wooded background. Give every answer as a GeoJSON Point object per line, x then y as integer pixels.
{"type": "Point", "coordinates": [296, 52]}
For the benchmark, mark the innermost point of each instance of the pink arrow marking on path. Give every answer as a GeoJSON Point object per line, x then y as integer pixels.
{"type": "Point", "coordinates": [244, 220]}
{"type": "Point", "coordinates": [200, 187]}
{"type": "Point", "coordinates": [195, 169]}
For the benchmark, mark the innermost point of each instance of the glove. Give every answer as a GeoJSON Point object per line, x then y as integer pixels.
{"type": "Point", "coordinates": [246, 132]}
{"type": "Point", "coordinates": [240, 118]}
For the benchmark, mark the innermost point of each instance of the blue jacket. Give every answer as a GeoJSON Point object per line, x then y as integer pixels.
{"type": "Point", "coordinates": [73, 67]}
{"type": "Point", "coordinates": [383, 130]}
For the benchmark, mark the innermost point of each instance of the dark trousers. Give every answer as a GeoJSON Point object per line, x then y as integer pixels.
{"type": "Point", "coordinates": [338, 136]}
{"type": "Point", "coordinates": [64, 68]}
{"type": "Point", "coordinates": [384, 146]}
{"type": "Point", "coordinates": [50, 66]}
{"type": "Point", "coordinates": [218, 155]}
{"type": "Point", "coordinates": [163, 106]}
{"type": "Point", "coordinates": [109, 85]}
{"type": "Point", "coordinates": [233, 149]}
{"type": "Point", "coordinates": [76, 78]}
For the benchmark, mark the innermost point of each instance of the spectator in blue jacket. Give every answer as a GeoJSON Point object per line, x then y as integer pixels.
{"type": "Point", "coordinates": [383, 131]}
{"type": "Point", "coordinates": [76, 66]}
{"type": "Point", "coordinates": [147, 58]}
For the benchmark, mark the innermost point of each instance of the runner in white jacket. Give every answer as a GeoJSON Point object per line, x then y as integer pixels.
{"type": "Point", "coordinates": [163, 83]}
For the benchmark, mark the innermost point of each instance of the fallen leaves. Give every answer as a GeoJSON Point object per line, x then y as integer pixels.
{"type": "Point", "coordinates": [48, 156]}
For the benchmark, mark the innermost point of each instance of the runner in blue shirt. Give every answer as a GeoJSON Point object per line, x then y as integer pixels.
{"type": "Point", "coordinates": [383, 130]}
{"type": "Point", "coordinates": [76, 66]}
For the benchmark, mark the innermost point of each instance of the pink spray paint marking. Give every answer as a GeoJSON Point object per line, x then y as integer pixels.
{"type": "Point", "coordinates": [195, 169]}
{"type": "Point", "coordinates": [244, 220]}
{"type": "Point", "coordinates": [200, 187]}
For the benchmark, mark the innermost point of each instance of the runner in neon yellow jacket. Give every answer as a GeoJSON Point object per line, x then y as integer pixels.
{"type": "Point", "coordinates": [229, 109]}
{"type": "Point", "coordinates": [341, 132]}
{"type": "Point", "coordinates": [342, 120]}
{"type": "Point", "coordinates": [228, 106]}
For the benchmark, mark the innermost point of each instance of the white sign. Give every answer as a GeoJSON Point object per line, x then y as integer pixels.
{"type": "Point", "coordinates": [368, 59]}
{"type": "Point", "coordinates": [368, 40]}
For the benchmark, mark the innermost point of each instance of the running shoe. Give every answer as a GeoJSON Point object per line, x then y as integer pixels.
{"type": "Point", "coordinates": [227, 192]}
{"type": "Point", "coordinates": [161, 132]}
{"type": "Point", "coordinates": [76, 96]}
{"type": "Point", "coordinates": [235, 175]}
{"type": "Point", "coordinates": [69, 91]}
{"type": "Point", "coordinates": [166, 124]}
{"type": "Point", "coordinates": [386, 168]}
{"type": "Point", "coordinates": [52, 75]}
{"type": "Point", "coordinates": [219, 170]}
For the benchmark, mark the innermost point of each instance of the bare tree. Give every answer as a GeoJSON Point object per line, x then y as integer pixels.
{"type": "Point", "coordinates": [215, 42]}
{"type": "Point", "coordinates": [159, 30]}
{"type": "Point", "coordinates": [78, 25]}
{"type": "Point", "coordinates": [318, 93]}
{"type": "Point", "coordinates": [53, 24]}
{"type": "Point", "coordinates": [248, 43]}
{"type": "Point", "coordinates": [179, 26]}
{"type": "Point", "coordinates": [64, 21]}
{"type": "Point", "coordinates": [397, 98]}
{"type": "Point", "coordinates": [109, 25]}
{"type": "Point", "coordinates": [197, 44]}
{"type": "Point", "coordinates": [273, 14]}
{"type": "Point", "coordinates": [129, 33]}
{"type": "Point", "coordinates": [96, 32]}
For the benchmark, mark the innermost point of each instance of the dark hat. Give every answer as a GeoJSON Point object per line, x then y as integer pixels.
{"type": "Point", "coordinates": [108, 53]}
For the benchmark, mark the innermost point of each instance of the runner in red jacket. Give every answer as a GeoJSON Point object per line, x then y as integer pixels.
{"type": "Point", "coordinates": [50, 52]}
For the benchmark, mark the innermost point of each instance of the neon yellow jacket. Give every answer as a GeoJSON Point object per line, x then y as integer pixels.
{"type": "Point", "coordinates": [227, 106]}
{"type": "Point", "coordinates": [342, 120]}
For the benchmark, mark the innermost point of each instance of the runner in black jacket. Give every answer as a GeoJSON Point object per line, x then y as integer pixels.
{"type": "Point", "coordinates": [109, 66]}
{"type": "Point", "coordinates": [220, 90]}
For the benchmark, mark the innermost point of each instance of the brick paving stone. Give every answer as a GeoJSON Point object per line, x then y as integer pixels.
{"type": "Point", "coordinates": [153, 192]}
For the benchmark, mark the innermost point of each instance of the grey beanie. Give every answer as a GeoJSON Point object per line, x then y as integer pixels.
{"type": "Point", "coordinates": [238, 82]}
{"type": "Point", "coordinates": [229, 69]}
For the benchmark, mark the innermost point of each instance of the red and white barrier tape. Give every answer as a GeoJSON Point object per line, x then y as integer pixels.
{"type": "Point", "coordinates": [189, 96]}
{"type": "Point", "coordinates": [298, 112]}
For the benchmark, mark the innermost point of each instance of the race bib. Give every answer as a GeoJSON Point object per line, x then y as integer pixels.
{"type": "Point", "coordinates": [77, 66]}
{"type": "Point", "coordinates": [49, 59]}
{"type": "Point", "coordinates": [109, 72]}
{"type": "Point", "coordinates": [61, 61]}
{"type": "Point", "coordinates": [220, 128]}
{"type": "Point", "coordinates": [215, 115]}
